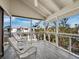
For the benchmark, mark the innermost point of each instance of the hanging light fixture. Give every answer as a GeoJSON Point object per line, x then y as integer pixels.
{"type": "Point", "coordinates": [36, 3]}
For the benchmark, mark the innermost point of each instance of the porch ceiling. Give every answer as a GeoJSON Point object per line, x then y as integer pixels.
{"type": "Point", "coordinates": [46, 9]}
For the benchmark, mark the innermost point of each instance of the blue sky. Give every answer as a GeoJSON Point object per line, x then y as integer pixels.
{"type": "Point", "coordinates": [25, 22]}
{"type": "Point", "coordinates": [17, 22]}
{"type": "Point", "coordinates": [20, 22]}
{"type": "Point", "coordinates": [73, 20]}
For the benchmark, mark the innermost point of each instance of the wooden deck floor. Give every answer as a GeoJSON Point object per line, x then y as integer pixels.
{"type": "Point", "coordinates": [43, 52]}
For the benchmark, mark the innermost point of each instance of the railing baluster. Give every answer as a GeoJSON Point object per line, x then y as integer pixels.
{"type": "Point", "coordinates": [44, 36]}
{"type": "Point", "coordinates": [70, 43]}
{"type": "Point", "coordinates": [49, 36]}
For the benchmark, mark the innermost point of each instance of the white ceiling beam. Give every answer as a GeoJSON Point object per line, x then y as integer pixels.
{"type": "Point", "coordinates": [62, 13]}
{"type": "Point", "coordinates": [55, 6]}
{"type": "Point", "coordinates": [44, 9]}
{"type": "Point", "coordinates": [50, 4]}
{"type": "Point", "coordinates": [34, 8]}
{"type": "Point", "coordinates": [67, 2]}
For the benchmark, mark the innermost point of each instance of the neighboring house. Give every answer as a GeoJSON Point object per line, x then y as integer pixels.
{"type": "Point", "coordinates": [20, 30]}
{"type": "Point", "coordinates": [14, 30]}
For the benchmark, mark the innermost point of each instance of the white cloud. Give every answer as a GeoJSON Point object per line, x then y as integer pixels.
{"type": "Point", "coordinates": [13, 18]}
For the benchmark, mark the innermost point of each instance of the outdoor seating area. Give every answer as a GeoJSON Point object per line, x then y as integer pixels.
{"type": "Point", "coordinates": [39, 29]}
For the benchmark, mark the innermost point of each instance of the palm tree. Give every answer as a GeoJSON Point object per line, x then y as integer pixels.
{"type": "Point", "coordinates": [63, 26]}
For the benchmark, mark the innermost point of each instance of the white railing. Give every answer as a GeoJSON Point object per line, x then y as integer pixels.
{"type": "Point", "coordinates": [47, 36]}
{"type": "Point", "coordinates": [70, 38]}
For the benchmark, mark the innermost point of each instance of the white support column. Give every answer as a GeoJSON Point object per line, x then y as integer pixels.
{"type": "Point", "coordinates": [70, 43]}
{"type": "Point", "coordinates": [31, 32]}
{"type": "Point", "coordinates": [56, 32]}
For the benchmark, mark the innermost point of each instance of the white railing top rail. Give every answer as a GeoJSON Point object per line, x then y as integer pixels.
{"type": "Point", "coordinates": [67, 34]}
